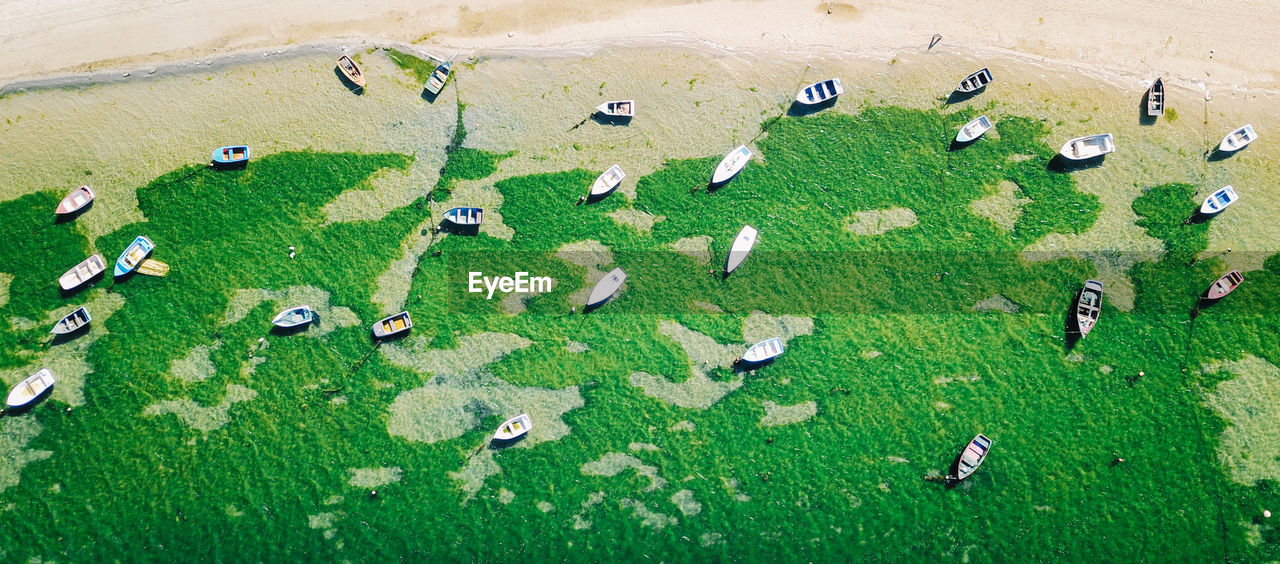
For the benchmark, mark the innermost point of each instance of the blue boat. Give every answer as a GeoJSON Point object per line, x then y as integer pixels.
{"type": "Point", "coordinates": [133, 255]}
{"type": "Point", "coordinates": [231, 154]}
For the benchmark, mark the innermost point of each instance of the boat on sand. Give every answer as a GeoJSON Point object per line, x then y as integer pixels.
{"type": "Point", "coordinates": [1155, 98]}
{"type": "Point", "coordinates": [975, 81]}
{"type": "Point", "coordinates": [75, 201]}
{"type": "Point", "coordinates": [1088, 306]}
{"type": "Point", "coordinates": [514, 428]}
{"type": "Point", "coordinates": [1088, 147]}
{"type": "Point", "coordinates": [351, 70]}
{"type": "Point", "coordinates": [30, 388]}
{"type": "Point", "coordinates": [465, 216]}
{"type": "Point", "coordinates": [438, 77]}
{"type": "Point", "coordinates": [741, 247]}
{"type": "Point", "coordinates": [973, 130]}
{"type": "Point", "coordinates": [74, 321]}
{"type": "Point", "coordinates": [971, 458]}
{"type": "Point", "coordinates": [731, 164]}
{"type": "Point", "coordinates": [820, 92]}
{"type": "Point", "coordinates": [393, 325]}
{"type": "Point", "coordinates": [83, 272]}
{"type": "Point", "coordinates": [1225, 285]}
{"type": "Point", "coordinates": [617, 108]}
{"type": "Point", "coordinates": [1237, 139]}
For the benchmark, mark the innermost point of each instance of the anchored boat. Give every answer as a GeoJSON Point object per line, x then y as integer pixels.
{"type": "Point", "coordinates": [1088, 306]}
{"type": "Point", "coordinates": [30, 388]}
{"type": "Point", "coordinates": [606, 287]}
{"type": "Point", "coordinates": [767, 349]}
{"type": "Point", "coordinates": [607, 182]}
{"type": "Point", "coordinates": [820, 92]}
{"type": "Point", "coordinates": [75, 201]}
{"type": "Point", "coordinates": [294, 317]}
{"type": "Point", "coordinates": [1155, 98]}
{"type": "Point", "coordinates": [1225, 285]}
{"type": "Point", "coordinates": [133, 255]}
{"type": "Point", "coordinates": [731, 164]}
{"type": "Point", "coordinates": [74, 321]}
{"type": "Point", "coordinates": [972, 457]}
{"type": "Point", "coordinates": [1218, 201]}
{"type": "Point", "coordinates": [975, 81]}
{"type": "Point", "coordinates": [973, 130]}
{"type": "Point", "coordinates": [351, 70]}
{"type": "Point", "coordinates": [514, 428]}
{"type": "Point", "coordinates": [83, 272]}
{"type": "Point", "coordinates": [742, 245]}
{"type": "Point", "coordinates": [231, 154]}
{"type": "Point", "coordinates": [393, 325]}
{"type": "Point", "coordinates": [618, 108]}
{"type": "Point", "coordinates": [1088, 147]}
{"type": "Point", "coordinates": [1237, 139]}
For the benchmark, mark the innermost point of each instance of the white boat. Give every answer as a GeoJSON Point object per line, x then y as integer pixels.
{"type": "Point", "coordinates": [607, 182]}
{"type": "Point", "coordinates": [972, 457]}
{"type": "Point", "coordinates": [1155, 98]}
{"type": "Point", "coordinates": [75, 201]}
{"type": "Point", "coordinates": [74, 321]}
{"type": "Point", "coordinates": [975, 81]}
{"type": "Point", "coordinates": [294, 317]}
{"type": "Point", "coordinates": [731, 164]}
{"type": "Point", "coordinates": [820, 92]}
{"type": "Point", "coordinates": [1219, 200]}
{"type": "Point", "coordinates": [764, 350]}
{"type": "Point", "coordinates": [514, 428]}
{"type": "Point", "coordinates": [741, 247]}
{"type": "Point", "coordinates": [1088, 306]}
{"type": "Point", "coordinates": [1088, 147]}
{"type": "Point", "coordinates": [606, 287]}
{"type": "Point", "coordinates": [465, 216]}
{"type": "Point", "coordinates": [29, 389]}
{"type": "Point", "coordinates": [1237, 139]}
{"type": "Point", "coordinates": [393, 325]}
{"type": "Point", "coordinates": [973, 130]}
{"type": "Point", "coordinates": [618, 108]}
{"type": "Point", "coordinates": [83, 272]}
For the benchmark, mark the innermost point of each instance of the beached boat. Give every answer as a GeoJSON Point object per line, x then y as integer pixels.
{"type": "Point", "coordinates": [464, 216]}
{"type": "Point", "coordinates": [514, 428]}
{"type": "Point", "coordinates": [351, 70]}
{"type": "Point", "coordinates": [606, 287]}
{"type": "Point", "coordinates": [83, 272]}
{"type": "Point", "coordinates": [74, 321]}
{"type": "Point", "coordinates": [741, 247]}
{"type": "Point", "coordinates": [1155, 98]}
{"type": "Point", "coordinates": [767, 349]}
{"type": "Point", "coordinates": [153, 267]}
{"type": "Point", "coordinates": [1088, 147]}
{"type": "Point", "coordinates": [29, 389]}
{"type": "Point", "coordinates": [1225, 285]}
{"type": "Point", "coordinates": [231, 154]}
{"type": "Point", "coordinates": [438, 77]}
{"type": "Point", "coordinates": [1237, 139]}
{"type": "Point", "coordinates": [731, 164]}
{"type": "Point", "coordinates": [820, 92]}
{"type": "Point", "coordinates": [607, 182]}
{"type": "Point", "coordinates": [1219, 200]}
{"type": "Point", "coordinates": [618, 108]}
{"type": "Point", "coordinates": [1088, 306]}
{"type": "Point", "coordinates": [975, 81]}
{"type": "Point", "coordinates": [971, 458]}
{"type": "Point", "coordinates": [973, 130]}
{"type": "Point", "coordinates": [133, 255]}
{"type": "Point", "coordinates": [393, 325]}
{"type": "Point", "coordinates": [75, 201]}
{"type": "Point", "coordinates": [294, 317]}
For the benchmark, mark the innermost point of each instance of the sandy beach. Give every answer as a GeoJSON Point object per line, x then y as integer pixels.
{"type": "Point", "coordinates": [1186, 40]}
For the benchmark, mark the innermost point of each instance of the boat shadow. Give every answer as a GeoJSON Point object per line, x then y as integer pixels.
{"type": "Point", "coordinates": [799, 110]}
{"type": "Point", "coordinates": [593, 198]}
{"type": "Point", "coordinates": [455, 229]}
{"type": "Point", "coordinates": [238, 165]}
{"type": "Point", "coordinates": [1070, 325]}
{"type": "Point", "coordinates": [389, 338]}
{"type": "Point", "coordinates": [287, 331]}
{"type": "Point", "coordinates": [957, 145]}
{"type": "Point", "coordinates": [957, 96]}
{"type": "Point", "coordinates": [16, 411]}
{"type": "Point", "coordinates": [68, 337]}
{"type": "Point", "coordinates": [429, 96]}
{"type": "Point", "coordinates": [353, 87]}
{"type": "Point", "coordinates": [740, 366]}
{"type": "Point", "coordinates": [499, 444]}
{"type": "Point", "coordinates": [604, 119]}
{"type": "Point", "coordinates": [68, 217]}
{"type": "Point", "coordinates": [1062, 164]}
{"type": "Point", "coordinates": [1217, 154]}
{"type": "Point", "coordinates": [1197, 217]}
{"type": "Point", "coordinates": [1143, 118]}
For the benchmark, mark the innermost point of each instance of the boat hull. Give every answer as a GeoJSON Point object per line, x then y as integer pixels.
{"type": "Point", "coordinates": [1089, 147]}
{"type": "Point", "coordinates": [731, 165]}
{"type": "Point", "coordinates": [820, 92]}
{"type": "Point", "coordinates": [74, 321]}
{"type": "Point", "coordinates": [1155, 99]}
{"type": "Point", "coordinates": [514, 428]}
{"type": "Point", "coordinates": [231, 155]}
{"type": "Point", "coordinates": [975, 82]}
{"type": "Point", "coordinates": [465, 216]}
{"type": "Point", "coordinates": [438, 78]}
{"type": "Point", "coordinates": [294, 317]}
{"type": "Point", "coordinates": [75, 201]}
{"type": "Point", "coordinates": [617, 108]}
{"type": "Point", "coordinates": [1238, 139]}
{"type": "Point", "coordinates": [83, 272]}
{"type": "Point", "coordinates": [391, 326]}
{"type": "Point", "coordinates": [742, 245]}
{"type": "Point", "coordinates": [351, 70]}
{"type": "Point", "coordinates": [974, 129]}
{"type": "Point", "coordinates": [133, 255]}
{"type": "Point", "coordinates": [1219, 200]}
{"type": "Point", "coordinates": [764, 351]}
{"type": "Point", "coordinates": [606, 288]}
{"type": "Point", "coordinates": [607, 182]}
{"type": "Point", "coordinates": [1225, 285]}
{"type": "Point", "coordinates": [973, 455]}
{"type": "Point", "coordinates": [1088, 307]}
{"type": "Point", "coordinates": [29, 389]}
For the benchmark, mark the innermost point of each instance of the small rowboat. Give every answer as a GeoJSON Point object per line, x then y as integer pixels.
{"type": "Point", "coordinates": [74, 321]}
{"type": "Point", "coordinates": [294, 317]}
{"type": "Point", "coordinates": [767, 349]}
{"type": "Point", "coordinates": [972, 457]}
{"type": "Point", "coordinates": [820, 92]}
{"type": "Point", "coordinates": [607, 182]}
{"type": "Point", "coordinates": [1088, 306]}
{"type": "Point", "coordinates": [393, 325]}
{"type": "Point", "coordinates": [606, 287]}
{"type": "Point", "coordinates": [351, 70]}
{"type": "Point", "coordinates": [1088, 147]}
{"type": "Point", "coordinates": [731, 164]}
{"type": "Point", "coordinates": [29, 389]}
{"type": "Point", "coordinates": [83, 272]}
{"type": "Point", "coordinates": [75, 201]}
{"type": "Point", "coordinates": [1155, 98]}
{"type": "Point", "coordinates": [975, 81]}
{"type": "Point", "coordinates": [1237, 139]}
{"type": "Point", "coordinates": [741, 247]}
{"type": "Point", "coordinates": [514, 428]}
{"type": "Point", "coordinates": [133, 255]}
{"type": "Point", "coordinates": [231, 154]}
{"type": "Point", "coordinates": [973, 130]}
{"type": "Point", "coordinates": [438, 77]}
{"type": "Point", "coordinates": [1225, 285]}
{"type": "Point", "coordinates": [1218, 201]}
{"type": "Point", "coordinates": [464, 216]}
{"type": "Point", "coordinates": [153, 267]}
{"type": "Point", "coordinates": [618, 108]}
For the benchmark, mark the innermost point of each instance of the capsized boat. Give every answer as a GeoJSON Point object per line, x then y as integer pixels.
{"type": "Point", "coordinates": [618, 108]}
{"type": "Point", "coordinates": [973, 130]}
{"type": "Point", "coordinates": [764, 350]}
{"type": "Point", "coordinates": [74, 321]}
{"type": "Point", "coordinates": [1155, 98]}
{"type": "Point", "coordinates": [1225, 285]}
{"type": "Point", "coordinates": [351, 70]}
{"type": "Point", "coordinates": [438, 77]}
{"type": "Point", "coordinates": [231, 154]}
{"type": "Point", "coordinates": [30, 388]}
{"type": "Point", "coordinates": [820, 92]}
{"type": "Point", "coordinates": [972, 456]}
{"type": "Point", "coordinates": [608, 181]}
{"type": "Point", "coordinates": [741, 247]}
{"type": "Point", "coordinates": [75, 201]}
{"type": "Point", "coordinates": [1088, 147]}
{"type": "Point", "coordinates": [1219, 200]}
{"type": "Point", "coordinates": [975, 81]}
{"type": "Point", "coordinates": [1088, 306]}
{"type": "Point", "coordinates": [464, 216]}
{"type": "Point", "coordinates": [83, 272]}
{"type": "Point", "coordinates": [133, 255]}
{"type": "Point", "coordinates": [294, 317]}
{"type": "Point", "coordinates": [731, 164]}
{"type": "Point", "coordinates": [1237, 139]}
{"type": "Point", "coordinates": [606, 287]}
{"type": "Point", "coordinates": [393, 325]}
{"type": "Point", "coordinates": [514, 428]}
